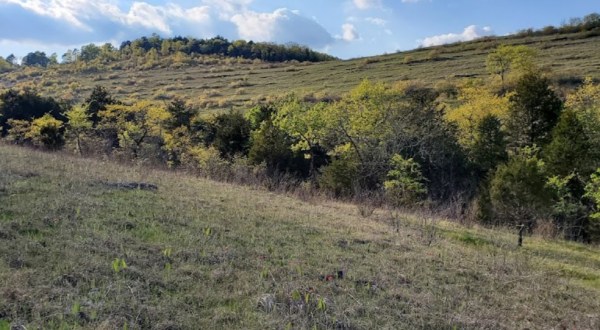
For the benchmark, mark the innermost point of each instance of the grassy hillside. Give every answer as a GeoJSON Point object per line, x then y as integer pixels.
{"type": "Point", "coordinates": [79, 249]}
{"type": "Point", "coordinates": [219, 84]}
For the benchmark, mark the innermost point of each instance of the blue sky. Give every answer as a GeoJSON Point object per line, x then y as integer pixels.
{"type": "Point", "coordinates": [343, 28]}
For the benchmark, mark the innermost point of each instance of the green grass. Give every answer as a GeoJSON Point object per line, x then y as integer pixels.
{"type": "Point", "coordinates": [202, 254]}
{"type": "Point", "coordinates": [231, 84]}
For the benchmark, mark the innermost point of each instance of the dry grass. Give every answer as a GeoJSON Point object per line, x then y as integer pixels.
{"type": "Point", "coordinates": [568, 57]}
{"type": "Point", "coordinates": [202, 254]}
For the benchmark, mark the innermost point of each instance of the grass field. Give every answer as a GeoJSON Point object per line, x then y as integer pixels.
{"type": "Point", "coordinates": [79, 249]}
{"type": "Point", "coordinates": [223, 84]}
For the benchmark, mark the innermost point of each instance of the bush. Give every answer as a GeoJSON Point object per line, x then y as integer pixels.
{"type": "Point", "coordinates": [404, 185]}
{"type": "Point", "coordinates": [47, 132]}
{"type": "Point", "coordinates": [339, 177]}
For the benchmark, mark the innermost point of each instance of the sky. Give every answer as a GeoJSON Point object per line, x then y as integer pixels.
{"type": "Point", "coordinates": [343, 28]}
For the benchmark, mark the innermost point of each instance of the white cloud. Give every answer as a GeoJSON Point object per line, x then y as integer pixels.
{"type": "Point", "coordinates": [349, 32]}
{"type": "Point", "coordinates": [283, 26]}
{"type": "Point", "coordinates": [376, 21]}
{"type": "Point", "coordinates": [471, 32]}
{"type": "Point", "coordinates": [367, 4]}
{"type": "Point", "coordinates": [82, 21]}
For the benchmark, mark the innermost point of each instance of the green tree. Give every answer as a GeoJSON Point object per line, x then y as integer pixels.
{"type": "Point", "coordinates": [569, 151]}
{"type": "Point", "coordinates": [98, 100]}
{"type": "Point", "coordinates": [232, 134]}
{"type": "Point", "coordinates": [181, 115]}
{"type": "Point", "coordinates": [569, 211]}
{"type": "Point", "coordinates": [36, 58]}
{"type": "Point", "coordinates": [306, 124]}
{"type": "Point", "coordinates": [489, 147]}
{"type": "Point", "coordinates": [89, 52]}
{"type": "Point", "coordinates": [592, 191]}
{"type": "Point", "coordinates": [518, 191]}
{"type": "Point", "coordinates": [534, 111]}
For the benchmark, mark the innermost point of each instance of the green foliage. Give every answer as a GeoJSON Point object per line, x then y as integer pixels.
{"type": "Point", "coordinates": [98, 100]}
{"type": "Point", "coordinates": [569, 212]}
{"type": "Point", "coordinates": [340, 176]}
{"type": "Point", "coordinates": [489, 147]}
{"type": "Point", "coordinates": [181, 115]}
{"type": "Point", "coordinates": [518, 191]}
{"type": "Point", "coordinates": [569, 150]}
{"type": "Point", "coordinates": [592, 191]}
{"type": "Point", "coordinates": [36, 58]}
{"type": "Point", "coordinates": [534, 111]}
{"type": "Point", "coordinates": [26, 105]}
{"type": "Point", "coordinates": [272, 146]}
{"type": "Point", "coordinates": [404, 185]}
{"type": "Point", "coordinates": [118, 265]}
{"type": "Point", "coordinates": [305, 123]}
{"type": "Point", "coordinates": [232, 134]}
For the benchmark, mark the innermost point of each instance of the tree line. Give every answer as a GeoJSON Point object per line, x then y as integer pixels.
{"type": "Point", "coordinates": [507, 150]}
{"type": "Point", "coordinates": [156, 46]}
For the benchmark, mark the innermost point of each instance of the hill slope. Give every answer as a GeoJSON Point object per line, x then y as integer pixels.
{"type": "Point", "coordinates": [219, 84]}
{"type": "Point", "coordinates": [79, 248]}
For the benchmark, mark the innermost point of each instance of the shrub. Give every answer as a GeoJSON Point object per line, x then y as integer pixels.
{"type": "Point", "coordinates": [592, 191]}
{"type": "Point", "coordinates": [404, 185]}
{"type": "Point", "coordinates": [339, 177]}
{"type": "Point", "coordinates": [47, 132]}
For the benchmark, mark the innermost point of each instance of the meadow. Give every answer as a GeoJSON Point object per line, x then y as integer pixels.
{"type": "Point", "coordinates": [84, 246]}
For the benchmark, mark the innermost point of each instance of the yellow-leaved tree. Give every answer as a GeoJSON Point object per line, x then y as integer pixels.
{"type": "Point", "coordinates": [47, 132]}
{"type": "Point", "coordinates": [135, 125]}
{"type": "Point", "coordinates": [476, 102]}
{"type": "Point", "coordinates": [79, 124]}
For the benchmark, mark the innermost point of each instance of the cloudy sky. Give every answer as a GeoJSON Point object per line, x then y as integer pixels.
{"type": "Point", "coordinates": [344, 28]}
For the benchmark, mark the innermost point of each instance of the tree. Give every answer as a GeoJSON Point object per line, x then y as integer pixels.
{"type": "Point", "coordinates": [507, 58]}
{"type": "Point", "coordinates": [476, 103]}
{"type": "Point", "coordinates": [12, 59]}
{"type": "Point", "coordinates": [534, 111]}
{"type": "Point", "coordinates": [89, 52]}
{"type": "Point", "coordinates": [136, 126]}
{"type": "Point", "coordinates": [36, 59]}
{"type": "Point", "coordinates": [305, 123]}
{"type": "Point", "coordinates": [98, 100]}
{"type": "Point", "coordinates": [518, 191]}
{"type": "Point", "coordinates": [181, 115]}
{"type": "Point", "coordinates": [79, 124]}
{"type": "Point", "coordinates": [569, 210]}
{"type": "Point", "coordinates": [70, 56]}
{"type": "Point", "coordinates": [585, 102]}
{"type": "Point", "coordinates": [489, 147]}
{"type": "Point", "coordinates": [232, 134]}
{"type": "Point", "coordinates": [569, 151]}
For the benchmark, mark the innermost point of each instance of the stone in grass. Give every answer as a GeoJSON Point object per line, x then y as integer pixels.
{"type": "Point", "coordinates": [132, 185]}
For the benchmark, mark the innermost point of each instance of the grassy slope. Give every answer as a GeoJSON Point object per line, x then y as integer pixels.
{"type": "Point", "coordinates": [242, 84]}
{"type": "Point", "coordinates": [261, 263]}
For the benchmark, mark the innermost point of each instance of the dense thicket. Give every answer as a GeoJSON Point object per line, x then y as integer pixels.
{"type": "Point", "coordinates": [507, 151]}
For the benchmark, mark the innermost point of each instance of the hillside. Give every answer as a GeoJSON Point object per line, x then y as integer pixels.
{"type": "Point", "coordinates": [217, 83]}
{"type": "Point", "coordinates": [80, 249]}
